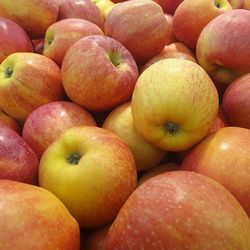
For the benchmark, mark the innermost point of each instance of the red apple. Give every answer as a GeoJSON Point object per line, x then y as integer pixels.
{"type": "Point", "coordinates": [237, 4]}
{"type": "Point", "coordinates": [33, 218]}
{"type": "Point", "coordinates": [105, 77]}
{"type": "Point", "coordinates": [173, 50]}
{"type": "Point", "coordinates": [236, 102]}
{"type": "Point", "coordinates": [83, 9]}
{"type": "Point", "coordinates": [120, 121]}
{"type": "Point", "coordinates": [9, 122]}
{"type": "Point", "coordinates": [180, 210]}
{"type": "Point", "coordinates": [17, 160]}
{"type": "Point", "coordinates": [141, 26]}
{"type": "Point", "coordinates": [226, 56]}
{"type": "Point", "coordinates": [191, 17]}
{"type": "Point", "coordinates": [61, 35]}
{"type": "Point", "coordinates": [92, 171]}
{"type": "Point", "coordinates": [170, 36]}
{"type": "Point", "coordinates": [38, 45]}
{"type": "Point", "coordinates": [224, 156]}
{"type": "Point", "coordinates": [47, 122]}
{"type": "Point", "coordinates": [28, 80]}
{"type": "Point", "coordinates": [13, 39]}
{"type": "Point", "coordinates": [246, 4]}
{"type": "Point", "coordinates": [35, 16]}
{"type": "Point", "coordinates": [169, 6]}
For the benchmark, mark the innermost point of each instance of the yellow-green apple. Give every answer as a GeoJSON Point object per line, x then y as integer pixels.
{"type": "Point", "coordinates": [174, 104]}
{"type": "Point", "coordinates": [159, 169]}
{"type": "Point", "coordinates": [173, 50]}
{"type": "Point", "coordinates": [105, 6]}
{"type": "Point", "coordinates": [27, 81]}
{"type": "Point", "coordinates": [17, 160]}
{"type": "Point", "coordinates": [60, 36]}
{"type": "Point", "coordinates": [13, 39]}
{"type": "Point", "coordinates": [191, 17]}
{"type": "Point", "coordinates": [120, 121]}
{"type": "Point", "coordinates": [236, 102]}
{"type": "Point", "coordinates": [169, 6]}
{"type": "Point", "coordinates": [33, 15]}
{"type": "Point", "coordinates": [95, 239]}
{"type": "Point", "coordinates": [180, 210]}
{"type": "Point", "coordinates": [92, 171]}
{"type": "Point", "coordinates": [47, 122]}
{"type": "Point", "coordinates": [9, 122]}
{"type": "Point", "coordinates": [105, 77]}
{"type": "Point", "coordinates": [83, 9]}
{"type": "Point", "coordinates": [140, 25]}
{"type": "Point", "coordinates": [226, 56]}
{"type": "Point", "coordinates": [237, 4]}
{"type": "Point", "coordinates": [33, 218]}
{"type": "Point", "coordinates": [224, 156]}
{"type": "Point", "coordinates": [246, 4]}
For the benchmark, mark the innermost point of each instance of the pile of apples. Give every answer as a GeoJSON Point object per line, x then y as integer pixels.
{"type": "Point", "coordinates": [125, 124]}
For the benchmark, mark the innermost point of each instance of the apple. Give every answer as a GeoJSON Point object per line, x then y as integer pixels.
{"type": "Point", "coordinates": [120, 121]}
{"type": "Point", "coordinates": [246, 4]}
{"type": "Point", "coordinates": [173, 50]}
{"type": "Point", "coordinates": [191, 17]}
{"type": "Point", "coordinates": [105, 6]}
{"type": "Point", "coordinates": [226, 56]}
{"type": "Point", "coordinates": [224, 156]}
{"type": "Point", "coordinates": [33, 218]}
{"type": "Point", "coordinates": [95, 239]}
{"type": "Point", "coordinates": [237, 4]}
{"type": "Point", "coordinates": [47, 122]}
{"type": "Point", "coordinates": [140, 25]}
{"type": "Point", "coordinates": [9, 122]}
{"type": "Point", "coordinates": [38, 45]}
{"type": "Point", "coordinates": [180, 210]}
{"type": "Point", "coordinates": [107, 74]}
{"type": "Point", "coordinates": [17, 160]}
{"type": "Point", "coordinates": [174, 104]}
{"type": "Point", "coordinates": [83, 9]}
{"type": "Point", "coordinates": [169, 6]}
{"type": "Point", "coordinates": [159, 169]}
{"type": "Point", "coordinates": [236, 102]}
{"type": "Point", "coordinates": [13, 39]}
{"type": "Point", "coordinates": [60, 36]}
{"type": "Point", "coordinates": [34, 16]}
{"type": "Point", "coordinates": [92, 171]}
{"type": "Point", "coordinates": [170, 37]}
{"type": "Point", "coordinates": [27, 81]}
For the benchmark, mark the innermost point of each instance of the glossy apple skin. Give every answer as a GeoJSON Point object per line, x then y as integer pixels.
{"type": "Point", "coordinates": [61, 35]}
{"type": "Point", "coordinates": [120, 121]}
{"type": "Point", "coordinates": [236, 102]}
{"type": "Point", "coordinates": [224, 156]}
{"type": "Point", "coordinates": [174, 91]}
{"type": "Point", "coordinates": [189, 18]}
{"type": "Point", "coordinates": [13, 39]}
{"type": "Point", "coordinates": [30, 210]}
{"type": "Point", "coordinates": [9, 122]}
{"type": "Point", "coordinates": [94, 189]}
{"type": "Point", "coordinates": [225, 57]}
{"type": "Point", "coordinates": [122, 24]}
{"type": "Point", "coordinates": [33, 80]}
{"type": "Point", "coordinates": [17, 159]}
{"type": "Point", "coordinates": [169, 6]}
{"type": "Point", "coordinates": [173, 50]}
{"type": "Point", "coordinates": [107, 84]}
{"type": "Point", "coordinates": [47, 122]}
{"type": "Point", "coordinates": [22, 12]}
{"type": "Point", "coordinates": [83, 9]}
{"type": "Point", "coordinates": [178, 210]}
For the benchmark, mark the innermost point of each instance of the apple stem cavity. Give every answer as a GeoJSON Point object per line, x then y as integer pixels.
{"type": "Point", "coordinates": [217, 4]}
{"type": "Point", "coordinates": [8, 73]}
{"type": "Point", "coordinates": [172, 128]}
{"type": "Point", "coordinates": [74, 158]}
{"type": "Point", "coordinates": [115, 58]}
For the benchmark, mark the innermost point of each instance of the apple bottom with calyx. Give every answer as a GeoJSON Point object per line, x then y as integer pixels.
{"type": "Point", "coordinates": [33, 218]}
{"type": "Point", "coordinates": [180, 210]}
{"type": "Point", "coordinates": [92, 171]}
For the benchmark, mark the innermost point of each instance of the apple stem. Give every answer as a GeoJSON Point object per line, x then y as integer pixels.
{"type": "Point", "coordinates": [172, 128]}
{"type": "Point", "coordinates": [74, 158]}
{"type": "Point", "coordinates": [8, 72]}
